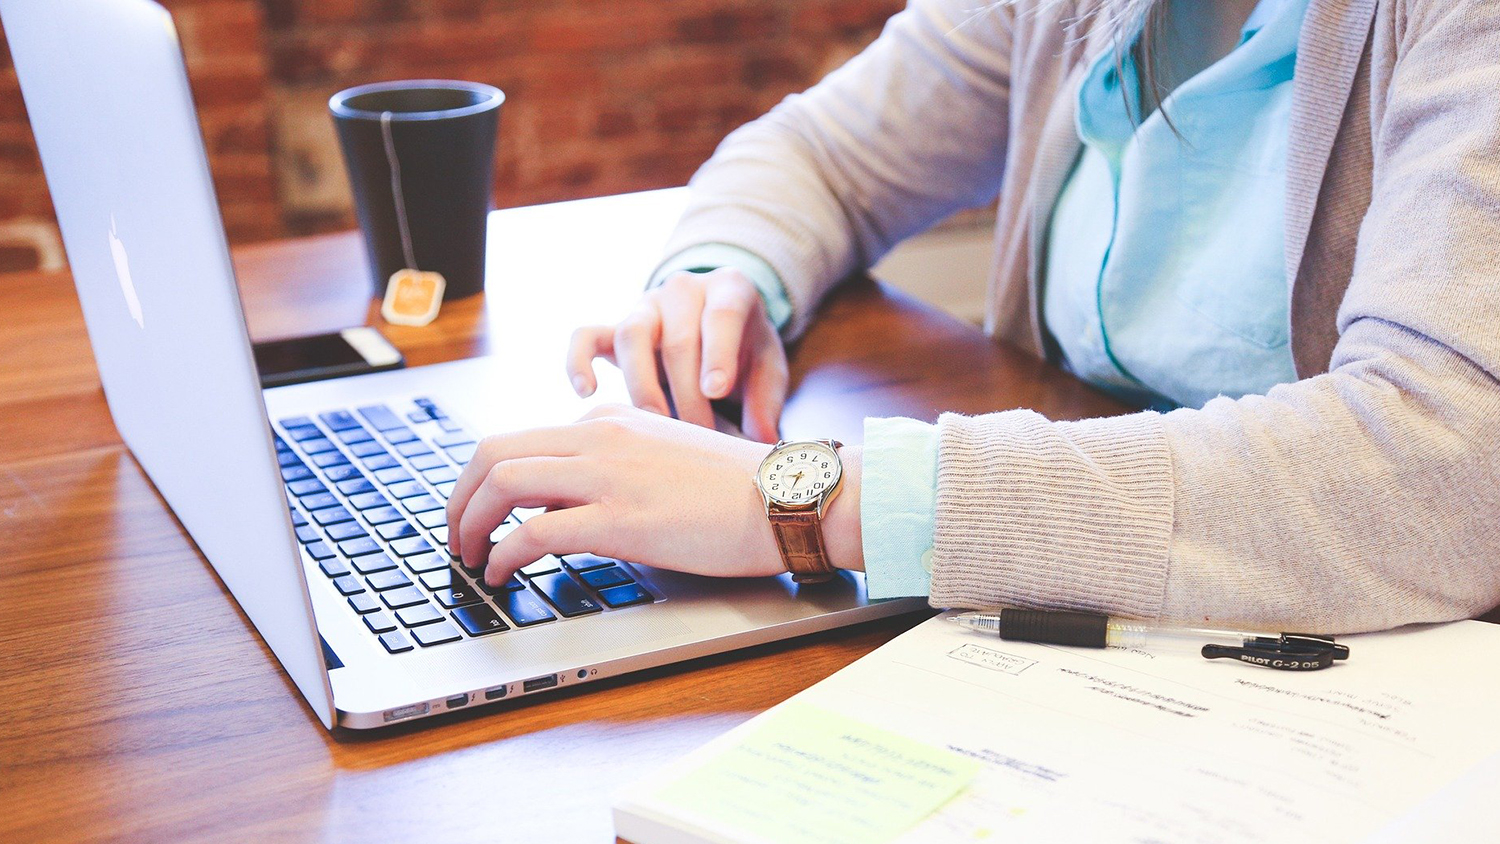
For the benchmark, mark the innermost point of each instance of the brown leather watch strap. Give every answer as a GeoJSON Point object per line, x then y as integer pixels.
{"type": "Point", "coordinates": [799, 535]}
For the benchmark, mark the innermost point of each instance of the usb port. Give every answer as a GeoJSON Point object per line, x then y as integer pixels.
{"type": "Point", "coordinates": [538, 683]}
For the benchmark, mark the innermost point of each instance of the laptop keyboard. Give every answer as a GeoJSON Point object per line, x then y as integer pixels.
{"type": "Point", "coordinates": [368, 492]}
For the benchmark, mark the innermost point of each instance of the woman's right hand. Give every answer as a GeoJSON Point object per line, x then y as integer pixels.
{"type": "Point", "coordinates": [699, 337]}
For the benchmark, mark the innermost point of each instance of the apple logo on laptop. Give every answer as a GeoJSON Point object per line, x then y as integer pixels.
{"type": "Point", "coordinates": [122, 269]}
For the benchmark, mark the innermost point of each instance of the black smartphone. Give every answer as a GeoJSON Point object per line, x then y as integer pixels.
{"type": "Point", "coordinates": [353, 351]}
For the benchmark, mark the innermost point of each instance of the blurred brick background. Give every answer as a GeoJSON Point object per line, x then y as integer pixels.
{"type": "Point", "coordinates": [603, 96]}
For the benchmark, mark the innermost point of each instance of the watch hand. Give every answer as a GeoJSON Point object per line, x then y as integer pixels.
{"type": "Point", "coordinates": [797, 478]}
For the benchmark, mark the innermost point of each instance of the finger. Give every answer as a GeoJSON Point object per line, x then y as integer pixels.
{"type": "Point", "coordinates": [537, 442]}
{"type": "Point", "coordinates": [681, 355]}
{"type": "Point", "coordinates": [635, 352]}
{"type": "Point", "coordinates": [574, 530]}
{"type": "Point", "coordinates": [526, 482]}
{"type": "Point", "coordinates": [726, 309]}
{"type": "Point", "coordinates": [589, 342]}
{"type": "Point", "coordinates": [765, 391]}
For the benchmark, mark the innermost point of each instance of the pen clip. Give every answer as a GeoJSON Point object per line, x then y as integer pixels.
{"type": "Point", "coordinates": [1287, 652]}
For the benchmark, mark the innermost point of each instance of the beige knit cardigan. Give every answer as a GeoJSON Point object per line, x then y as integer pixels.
{"type": "Point", "coordinates": [1364, 496]}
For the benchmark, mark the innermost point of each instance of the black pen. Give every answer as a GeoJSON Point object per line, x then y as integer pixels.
{"type": "Point", "coordinates": [1285, 651]}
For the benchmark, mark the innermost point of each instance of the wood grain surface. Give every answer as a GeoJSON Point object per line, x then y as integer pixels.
{"type": "Point", "coordinates": [141, 705]}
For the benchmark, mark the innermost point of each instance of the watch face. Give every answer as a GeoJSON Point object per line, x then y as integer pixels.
{"type": "Point", "coordinates": [799, 473]}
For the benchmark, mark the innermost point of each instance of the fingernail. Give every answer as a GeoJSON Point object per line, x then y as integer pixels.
{"type": "Point", "coordinates": [581, 386]}
{"type": "Point", "coordinates": [714, 382]}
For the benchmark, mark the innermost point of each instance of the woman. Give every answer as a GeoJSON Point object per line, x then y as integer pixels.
{"type": "Point", "coordinates": [1281, 219]}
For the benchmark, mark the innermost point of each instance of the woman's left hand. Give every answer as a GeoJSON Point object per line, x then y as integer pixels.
{"type": "Point", "coordinates": [636, 486]}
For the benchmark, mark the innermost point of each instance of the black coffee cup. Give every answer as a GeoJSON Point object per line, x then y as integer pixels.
{"type": "Point", "coordinates": [421, 157]}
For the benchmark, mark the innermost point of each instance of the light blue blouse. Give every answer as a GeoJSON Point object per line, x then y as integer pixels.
{"type": "Point", "coordinates": [1164, 281]}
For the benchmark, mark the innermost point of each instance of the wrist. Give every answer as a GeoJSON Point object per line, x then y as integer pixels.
{"type": "Point", "coordinates": [841, 527]}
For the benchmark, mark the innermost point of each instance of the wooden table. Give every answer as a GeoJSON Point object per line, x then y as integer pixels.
{"type": "Point", "coordinates": [141, 704]}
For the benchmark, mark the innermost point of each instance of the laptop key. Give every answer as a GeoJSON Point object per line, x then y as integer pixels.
{"type": "Point", "coordinates": [380, 417]}
{"type": "Point", "coordinates": [298, 520]}
{"type": "Point", "coordinates": [356, 486]}
{"type": "Point", "coordinates": [396, 530]}
{"type": "Point", "coordinates": [329, 459]}
{"type": "Point", "coordinates": [286, 459]}
{"type": "Point", "coordinates": [319, 550]}
{"type": "Point", "coordinates": [310, 486]}
{"type": "Point", "coordinates": [339, 420]}
{"type": "Point", "coordinates": [354, 435]}
{"type": "Point", "coordinates": [318, 501]}
{"type": "Point", "coordinates": [318, 446]}
{"type": "Point", "coordinates": [376, 462]}
{"type": "Point", "coordinates": [413, 449]}
{"type": "Point", "coordinates": [348, 584]}
{"type": "Point", "coordinates": [330, 515]}
{"type": "Point", "coordinates": [421, 504]}
{"type": "Point", "coordinates": [387, 580]}
{"type": "Point", "coordinates": [394, 475]}
{"type": "Point", "coordinates": [425, 563]}
{"type": "Point", "coordinates": [462, 454]}
{"type": "Point", "coordinates": [383, 515]}
{"type": "Point", "coordinates": [423, 462]}
{"type": "Point", "coordinates": [295, 422]}
{"type": "Point", "coordinates": [380, 622]}
{"type": "Point", "coordinates": [333, 567]}
{"type": "Point", "coordinates": [408, 489]}
{"type": "Point", "coordinates": [440, 534]}
{"type": "Point", "coordinates": [448, 424]}
{"type": "Point", "coordinates": [440, 476]}
{"type": "Point", "coordinates": [587, 562]}
{"type": "Point", "coordinates": [440, 579]}
{"type": "Point", "coordinates": [446, 490]}
{"type": "Point", "coordinates": [624, 596]}
{"type": "Point", "coordinates": [511, 584]}
{"type": "Point", "coordinates": [524, 608]}
{"type": "Point", "coordinates": [458, 596]}
{"type": "Point", "coordinates": [357, 547]}
{"type": "Point", "coordinates": [417, 417]}
{"type": "Point", "coordinates": [295, 473]}
{"type": "Point", "coordinates": [308, 533]}
{"type": "Point", "coordinates": [371, 563]}
{"type": "Point", "coordinates": [565, 594]}
{"type": "Point", "coordinates": [368, 500]}
{"type": "Point", "coordinates": [395, 642]}
{"type": "Point", "coordinates": [433, 518]}
{"type": "Point", "coordinates": [546, 565]}
{"type": "Point", "coordinates": [419, 615]}
{"type": "Point", "coordinates": [339, 474]}
{"type": "Point", "coordinates": [605, 578]}
{"type": "Point", "coordinates": [303, 433]}
{"type": "Point", "coordinates": [369, 448]}
{"type": "Point", "coordinates": [407, 596]}
{"type": "Point", "coordinates": [479, 620]}
{"type": "Point", "coordinates": [346, 530]}
{"type": "Point", "coordinates": [453, 438]}
{"type": "Point", "coordinates": [363, 603]}
{"type": "Point", "coordinates": [410, 546]}
{"type": "Point", "coordinates": [398, 436]}
{"type": "Point", "coordinates": [436, 634]}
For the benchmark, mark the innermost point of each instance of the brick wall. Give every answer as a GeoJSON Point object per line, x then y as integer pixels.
{"type": "Point", "coordinates": [603, 96]}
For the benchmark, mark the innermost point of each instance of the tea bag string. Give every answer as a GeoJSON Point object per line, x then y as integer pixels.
{"type": "Point", "coordinates": [396, 194]}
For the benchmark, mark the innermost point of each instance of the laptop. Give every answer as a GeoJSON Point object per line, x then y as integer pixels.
{"type": "Point", "coordinates": [321, 505]}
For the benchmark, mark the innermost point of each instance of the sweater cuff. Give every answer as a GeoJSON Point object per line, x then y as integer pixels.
{"type": "Point", "coordinates": [707, 257]}
{"type": "Point", "coordinates": [897, 497]}
{"type": "Point", "coordinates": [1069, 515]}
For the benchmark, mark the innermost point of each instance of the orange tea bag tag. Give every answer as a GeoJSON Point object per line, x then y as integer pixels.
{"type": "Point", "coordinates": [412, 298]}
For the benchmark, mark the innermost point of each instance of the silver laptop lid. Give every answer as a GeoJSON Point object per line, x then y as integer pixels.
{"type": "Point", "coordinates": [108, 97]}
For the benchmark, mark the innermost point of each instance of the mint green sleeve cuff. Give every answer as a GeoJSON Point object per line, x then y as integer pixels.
{"type": "Point", "coordinates": [898, 499]}
{"type": "Point", "coordinates": [706, 257]}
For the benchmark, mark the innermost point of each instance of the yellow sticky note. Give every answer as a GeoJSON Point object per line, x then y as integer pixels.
{"type": "Point", "coordinates": [807, 775]}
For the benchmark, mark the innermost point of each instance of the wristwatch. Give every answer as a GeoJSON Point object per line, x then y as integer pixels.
{"type": "Point", "coordinates": [797, 480]}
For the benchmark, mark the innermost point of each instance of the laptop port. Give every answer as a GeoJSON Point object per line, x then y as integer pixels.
{"type": "Point", "coordinates": [538, 683]}
{"type": "Point", "coordinates": [457, 700]}
{"type": "Point", "coordinates": [405, 712]}
{"type": "Point", "coordinates": [496, 693]}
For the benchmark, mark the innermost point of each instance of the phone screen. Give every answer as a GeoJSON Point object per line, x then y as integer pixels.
{"type": "Point", "coordinates": [298, 353]}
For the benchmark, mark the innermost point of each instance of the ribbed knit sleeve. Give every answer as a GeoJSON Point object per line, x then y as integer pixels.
{"type": "Point", "coordinates": [1035, 513]}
